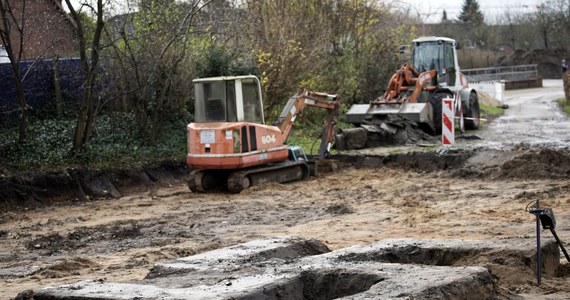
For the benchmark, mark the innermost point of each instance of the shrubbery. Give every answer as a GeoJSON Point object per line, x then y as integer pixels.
{"type": "Point", "coordinates": [116, 143]}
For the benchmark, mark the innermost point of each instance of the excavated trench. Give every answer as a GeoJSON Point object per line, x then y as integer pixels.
{"type": "Point", "coordinates": [499, 266]}
{"type": "Point", "coordinates": [79, 185]}
{"type": "Point", "coordinates": [334, 284]}
{"type": "Point", "coordinates": [449, 269]}
{"type": "Point", "coordinates": [306, 269]}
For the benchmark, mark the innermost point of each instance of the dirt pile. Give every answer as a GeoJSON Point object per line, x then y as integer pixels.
{"type": "Point", "coordinates": [487, 99]}
{"type": "Point", "coordinates": [407, 132]}
{"type": "Point", "coordinates": [548, 61]}
{"type": "Point", "coordinates": [522, 162]}
{"type": "Point", "coordinates": [81, 185]}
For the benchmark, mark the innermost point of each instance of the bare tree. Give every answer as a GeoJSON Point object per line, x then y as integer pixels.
{"type": "Point", "coordinates": [11, 26]}
{"type": "Point", "coordinates": [150, 51]}
{"type": "Point", "coordinates": [554, 20]}
{"type": "Point", "coordinates": [349, 47]}
{"type": "Point", "coordinates": [544, 21]}
{"type": "Point", "coordinates": [89, 60]}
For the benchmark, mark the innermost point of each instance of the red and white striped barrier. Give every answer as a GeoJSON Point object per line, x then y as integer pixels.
{"type": "Point", "coordinates": [447, 122]}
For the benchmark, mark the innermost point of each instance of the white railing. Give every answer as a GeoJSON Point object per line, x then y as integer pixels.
{"type": "Point", "coordinates": [520, 72]}
{"type": "Point", "coordinates": [492, 80]}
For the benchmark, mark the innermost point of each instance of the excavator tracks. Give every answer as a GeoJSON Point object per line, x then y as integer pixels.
{"type": "Point", "coordinates": [205, 180]}
{"type": "Point", "coordinates": [237, 181]}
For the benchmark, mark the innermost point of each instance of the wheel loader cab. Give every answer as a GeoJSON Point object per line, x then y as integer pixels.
{"type": "Point", "coordinates": [436, 54]}
{"type": "Point", "coordinates": [228, 99]}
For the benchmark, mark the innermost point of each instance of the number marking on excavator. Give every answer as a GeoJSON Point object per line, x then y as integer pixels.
{"type": "Point", "coordinates": [267, 139]}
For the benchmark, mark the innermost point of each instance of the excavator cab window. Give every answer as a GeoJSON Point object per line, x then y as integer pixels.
{"type": "Point", "coordinates": [215, 110]}
{"type": "Point", "coordinates": [252, 106]}
{"type": "Point", "coordinates": [215, 101]}
{"type": "Point", "coordinates": [234, 99]}
{"type": "Point", "coordinates": [436, 55]}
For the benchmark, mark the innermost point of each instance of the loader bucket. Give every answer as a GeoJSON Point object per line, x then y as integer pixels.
{"type": "Point", "coordinates": [420, 113]}
{"type": "Point", "coordinates": [386, 124]}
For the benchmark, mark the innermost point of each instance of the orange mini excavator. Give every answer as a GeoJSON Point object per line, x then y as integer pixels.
{"type": "Point", "coordinates": [230, 145]}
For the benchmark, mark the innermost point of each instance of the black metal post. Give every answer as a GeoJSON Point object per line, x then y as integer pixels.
{"type": "Point", "coordinates": [538, 251]}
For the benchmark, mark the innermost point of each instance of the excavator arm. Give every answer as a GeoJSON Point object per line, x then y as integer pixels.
{"type": "Point", "coordinates": [295, 107]}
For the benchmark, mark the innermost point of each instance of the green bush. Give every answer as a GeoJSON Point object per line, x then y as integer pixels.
{"type": "Point", "coordinates": [47, 144]}
{"type": "Point", "coordinates": [116, 142]}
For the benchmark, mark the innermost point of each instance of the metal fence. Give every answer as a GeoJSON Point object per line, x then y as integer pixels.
{"type": "Point", "coordinates": [511, 73]}
{"type": "Point", "coordinates": [39, 85]}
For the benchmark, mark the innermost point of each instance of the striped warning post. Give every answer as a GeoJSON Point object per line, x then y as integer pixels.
{"type": "Point", "coordinates": [447, 120]}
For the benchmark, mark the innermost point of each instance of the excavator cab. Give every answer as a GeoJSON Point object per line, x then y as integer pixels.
{"type": "Point", "coordinates": [228, 99]}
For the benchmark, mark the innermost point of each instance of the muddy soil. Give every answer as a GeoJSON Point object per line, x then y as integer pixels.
{"type": "Point", "coordinates": [121, 239]}
{"type": "Point", "coordinates": [119, 234]}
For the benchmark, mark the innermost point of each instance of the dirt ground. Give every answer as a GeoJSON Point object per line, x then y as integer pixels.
{"type": "Point", "coordinates": [482, 195]}
{"type": "Point", "coordinates": [121, 239]}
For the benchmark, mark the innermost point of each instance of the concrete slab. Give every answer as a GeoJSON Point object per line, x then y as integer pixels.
{"type": "Point", "coordinates": [297, 268]}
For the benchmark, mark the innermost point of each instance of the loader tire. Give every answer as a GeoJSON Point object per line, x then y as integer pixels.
{"type": "Point", "coordinates": [435, 102]}
{"type": "Point", "coordinates": [472, 112]}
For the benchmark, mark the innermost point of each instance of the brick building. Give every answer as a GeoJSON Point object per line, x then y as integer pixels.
{"type": "Point", "coordinates": [48, 30]}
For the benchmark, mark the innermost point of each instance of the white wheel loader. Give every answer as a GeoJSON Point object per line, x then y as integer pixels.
{"type": "Point", "coordinates": [414, 94]}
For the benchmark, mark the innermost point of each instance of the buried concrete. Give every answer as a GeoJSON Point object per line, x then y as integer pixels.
{"type": "Point", "coordinates": [296, 268]}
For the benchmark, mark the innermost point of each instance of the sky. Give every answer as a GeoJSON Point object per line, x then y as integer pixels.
{"type": "Point", "coordinates": [432, 10]}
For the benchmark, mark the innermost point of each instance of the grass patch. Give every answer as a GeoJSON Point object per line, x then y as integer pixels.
{"type": "Point", "coordinates": [490, 112]}
{"type": "Point", "coordinates": [564, 105]}
{"type": "Point", "coordinates": [308, 137]}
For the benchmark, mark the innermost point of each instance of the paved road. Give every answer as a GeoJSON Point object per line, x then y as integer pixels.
{"type": "Point", "coordinates": [533, 118]}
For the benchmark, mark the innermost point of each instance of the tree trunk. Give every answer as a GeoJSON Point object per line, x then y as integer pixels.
{"type": "Point", "coordinates": [79, 136]}
{"type": "Point", "coordinates": [23, 125]}
{"type": "Point", "coordinates": [155, 126]}
{"type": "Point", "coordinates": [57, 87]}
{"type": "Point", "coordinates": [6, 14]}
{"type": "Point", "coordinates": [86, 116]}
